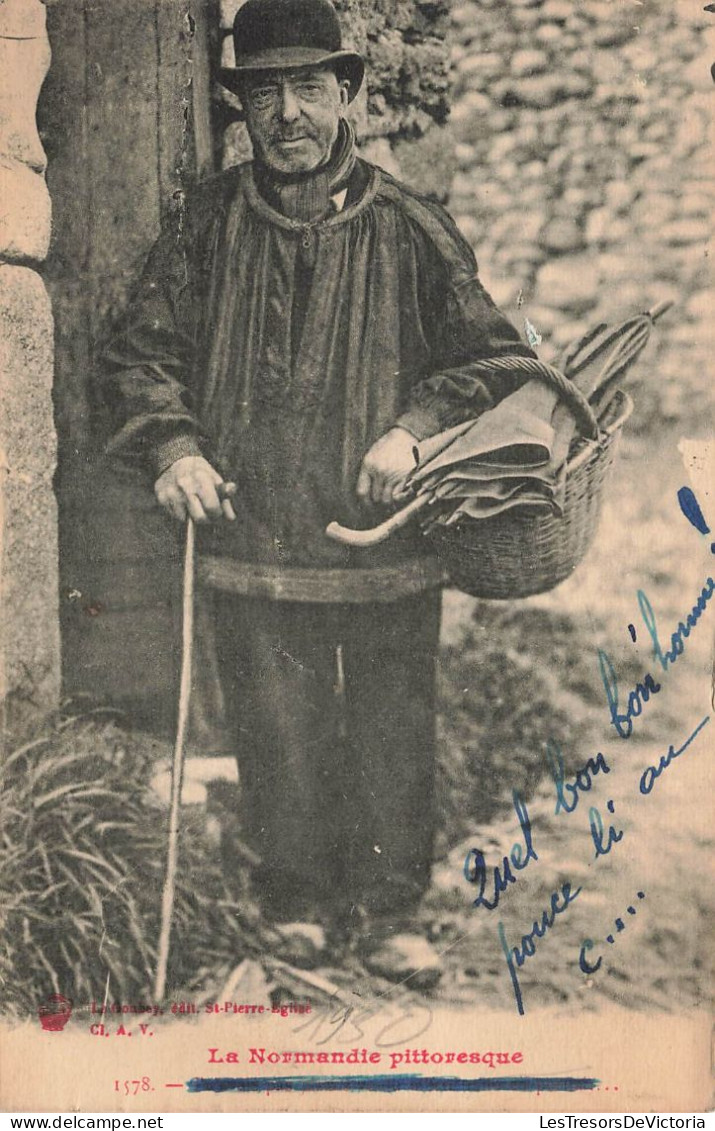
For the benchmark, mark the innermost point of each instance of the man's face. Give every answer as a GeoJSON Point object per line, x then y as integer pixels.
{"type": "Point", "coordinates": [293, 115]}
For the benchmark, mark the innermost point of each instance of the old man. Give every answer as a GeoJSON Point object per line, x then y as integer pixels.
{"type": "Point", "coordinates": [300, 326]}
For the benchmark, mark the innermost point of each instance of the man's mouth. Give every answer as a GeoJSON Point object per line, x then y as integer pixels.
{"type": "Point", "coordinates": [290, 140]}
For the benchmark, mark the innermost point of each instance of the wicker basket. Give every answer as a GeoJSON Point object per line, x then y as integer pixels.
{"type": "Point", "coordinates": [520, 553]}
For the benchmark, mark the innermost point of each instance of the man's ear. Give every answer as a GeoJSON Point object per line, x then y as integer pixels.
{"type": "Point", "coordinates": [344, 89]}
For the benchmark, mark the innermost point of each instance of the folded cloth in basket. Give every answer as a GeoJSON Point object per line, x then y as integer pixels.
{"type": "Point", "coordinates": [515, 454]}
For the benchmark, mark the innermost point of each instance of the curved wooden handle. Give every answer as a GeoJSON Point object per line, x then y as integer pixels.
{"type": "Point", "coordinates": [659, 309]}
{"type": "Point", "coordinates": [363, 538]}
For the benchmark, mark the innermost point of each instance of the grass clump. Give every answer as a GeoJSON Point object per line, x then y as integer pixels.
{"type": "Point", "coordinates": [517, 680]}
{"type": "Point", "coordinates": [82, 857]}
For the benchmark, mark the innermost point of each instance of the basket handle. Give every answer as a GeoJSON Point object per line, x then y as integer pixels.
{"type": "Point", "coordinates": [574, 399]}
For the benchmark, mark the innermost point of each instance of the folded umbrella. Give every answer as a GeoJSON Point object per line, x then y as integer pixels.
{"type": "Point", "coordinates": [594, 362]}
{"type": "Point", "coordinates": [625, 341]}
{"type": "Point", "coordinates": [515, 454]}
{"type": "Point", "coordinates": [509, 435]}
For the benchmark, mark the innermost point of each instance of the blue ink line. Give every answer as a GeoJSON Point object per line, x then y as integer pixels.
{"type": "Point", "coordinates": [475, 865]}
{"type": "Point", "coordinates": [582, 781]}
{"type": "Point", "coordinates": [528, 942]}
{"type": "Point", "coordinates": [691, 509]}
{"type": "Point", "coordinates": [682, 632]}
{"type": "Point", "coordinates": [638, 697]}
{"type": "Point", "coordinates": [414, 1083]}
{"type": "Point", "coordinates": [641, 694]}
{"type": "Point", "coordinates": [652, 773]}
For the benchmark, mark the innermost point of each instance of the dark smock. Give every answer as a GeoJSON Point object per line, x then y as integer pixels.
{"type": "Point", "coordinates": [281, 351]}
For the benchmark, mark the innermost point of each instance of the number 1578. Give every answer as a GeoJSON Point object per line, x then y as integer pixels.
{"type": "Point", "coordinates": [133, 1087]}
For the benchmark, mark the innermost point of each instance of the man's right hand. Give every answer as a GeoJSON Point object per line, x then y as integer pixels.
{"type": "Point", "coordinates": [190, 486]}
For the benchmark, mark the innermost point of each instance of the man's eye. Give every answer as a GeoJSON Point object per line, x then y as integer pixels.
{"type": "Point", "coordinates": [262, 95]}
{"type": "Point", "coordinates": [309, 89]}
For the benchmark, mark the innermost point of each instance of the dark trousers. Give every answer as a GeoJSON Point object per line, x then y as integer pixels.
{"type": "Point", "coordinates": [333, 711]}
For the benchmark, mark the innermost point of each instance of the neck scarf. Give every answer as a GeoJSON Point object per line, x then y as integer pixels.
{"type": "Point", "coordinates": [306, 196]}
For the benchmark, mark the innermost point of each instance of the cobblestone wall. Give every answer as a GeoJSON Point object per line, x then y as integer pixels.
{"type": "Point", "coordinates": [584, 178]}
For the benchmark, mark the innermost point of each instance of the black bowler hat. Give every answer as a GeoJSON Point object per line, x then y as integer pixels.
{"type": "Point", "coordinates": [271, 35]}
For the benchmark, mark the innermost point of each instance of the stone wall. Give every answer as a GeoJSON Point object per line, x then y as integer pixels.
{"type": "Point", "coordinates": [29, 647]}
{"type": "Point", "coordinates": [584, 176]}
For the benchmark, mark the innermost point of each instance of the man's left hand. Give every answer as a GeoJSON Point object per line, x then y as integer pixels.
{"type": "Point", "coordinates": [386, 466]}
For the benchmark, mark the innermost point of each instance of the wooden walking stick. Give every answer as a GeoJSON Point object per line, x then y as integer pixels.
{"type": "Point", "coordinates": [177, 769]}
{"type": "Point", "coordinates": [225, 492]}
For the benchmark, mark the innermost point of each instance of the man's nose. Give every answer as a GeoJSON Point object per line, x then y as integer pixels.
{"type": "Point", "coordinates": [289, 107]}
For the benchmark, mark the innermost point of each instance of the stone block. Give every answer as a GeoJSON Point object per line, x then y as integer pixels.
{"type": "Point", "coordinates": [620, 195]}
{"type": "Point", "coordinates": [22, 19]}
{"type": "Point", "coordinates": [561, 236]}
{"type": "Point", "coordinates": [529, 62]}
{"type": "Point", "coordinates": [557, 11]}
{"type": "Point", "coordinates": [26, 212]}
{"type": "Point", "coordinates": [486, 64]}
{"type": "Point", "coordinates": [570, 283]}
{"type": "Point", "coordinates": [541, 91]}
{"type": "Point", "coordinates": [600, 225]}
{"type": "Point", "coordinates": [464, 15]}
{"type": "Point", "coordinates": [23, 66]}
{"type": "Point", "coordinates": [29, 646]}
{"type": "Point", "coordinates": [548, 34]}
{"type": "Point", "coordinates": [614, 35]}
{"type": "Point", "coordinates": [688, 230]}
